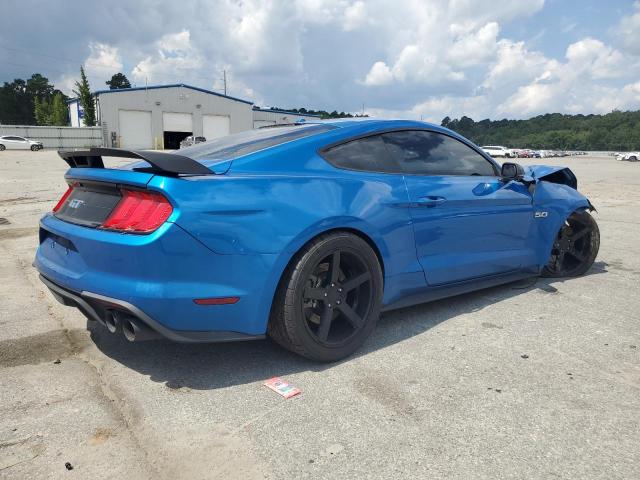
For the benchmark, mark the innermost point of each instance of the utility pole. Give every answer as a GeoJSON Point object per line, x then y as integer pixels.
{"type": "Point", "coordinates": [224, 80]}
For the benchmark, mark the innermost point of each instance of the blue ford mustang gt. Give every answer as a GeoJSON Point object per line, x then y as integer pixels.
{"type": "Point", "coordinates": [303, 232]}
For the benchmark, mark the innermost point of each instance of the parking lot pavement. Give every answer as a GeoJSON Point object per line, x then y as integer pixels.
{"type": "Point", "coordinates": [536, 379]}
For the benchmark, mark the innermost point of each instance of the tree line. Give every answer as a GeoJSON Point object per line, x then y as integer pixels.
{"type": "Point", "coordinates": [617, 131]}
{"type": "Point", "coordinates": [35, 101]}
{"type": "Point", "coordinates": [322, 113]}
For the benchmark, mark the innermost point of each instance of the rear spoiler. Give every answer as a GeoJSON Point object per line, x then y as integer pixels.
{"type": "Point", "coordinates": [161, 162]}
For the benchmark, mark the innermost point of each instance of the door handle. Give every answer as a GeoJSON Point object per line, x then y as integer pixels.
{"type": "Point", "coordinates": [431, 201]}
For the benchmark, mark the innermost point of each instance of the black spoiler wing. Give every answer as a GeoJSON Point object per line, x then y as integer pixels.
{"type": "Point", "coordinates": [163, 163]}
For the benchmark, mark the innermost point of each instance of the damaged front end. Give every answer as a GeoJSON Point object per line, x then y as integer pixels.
{"type": "Point", "coordinates": [559, 175]}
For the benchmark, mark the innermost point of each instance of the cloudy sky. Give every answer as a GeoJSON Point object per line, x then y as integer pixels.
{"type": "Point", "coordinates": [410, 58]}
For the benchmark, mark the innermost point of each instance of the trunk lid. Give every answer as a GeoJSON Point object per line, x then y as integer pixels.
{"type": "Point", "coordinates": [96, 192]}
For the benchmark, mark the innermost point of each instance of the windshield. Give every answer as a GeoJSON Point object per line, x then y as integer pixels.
{"type": "Point", "coordinates": [244, 143]}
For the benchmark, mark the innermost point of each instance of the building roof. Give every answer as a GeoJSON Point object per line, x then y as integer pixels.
{"type": "Point", "coordinates": [288, 112]}
{"type": "Point", "coordinates": [173, 85]}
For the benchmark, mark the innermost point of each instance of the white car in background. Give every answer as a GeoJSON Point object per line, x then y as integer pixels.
{"type": "Point", "coordinates": [13, 142]}
{"type": "Point", "coordinates": [498, 151]}
{"type": "Point", "coordinates": [629, 157]}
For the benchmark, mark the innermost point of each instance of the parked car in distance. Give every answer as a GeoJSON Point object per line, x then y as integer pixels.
{"type": "Point", "coordinates": [498, 151]}
{"type": "Point", "coordinates": [191, 140]}
{"type": "Point", "coordinates": [13, 142]}
{"type": "Point", "coordinates": [304, 233]}
{"type": "Point", "coordinates": [630, 156]}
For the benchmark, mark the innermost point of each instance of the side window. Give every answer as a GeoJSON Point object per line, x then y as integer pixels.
{"type": "Point", "coordinates": [429, 153]}
{"type": "Point", "coordinates": [369, 154]}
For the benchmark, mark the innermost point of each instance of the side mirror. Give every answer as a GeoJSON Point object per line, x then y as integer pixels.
{"type": "Point", "coordinates": [512, 171]}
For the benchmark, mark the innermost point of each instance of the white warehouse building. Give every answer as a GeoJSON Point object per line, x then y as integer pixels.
{"type": "Point", "coordinates": [159, 117]}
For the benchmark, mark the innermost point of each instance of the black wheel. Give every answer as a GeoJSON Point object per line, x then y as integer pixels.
{"type": "Point", "coordinates": [1, 147]}
{"type": "Point", "coordinates": [633, 158]}
{"type": "Point", "coordinates": [328, 301]}
{"type": "Point", "coordinates": [575, 248]}
{"type": "Point", "coordinates": [34, 148]}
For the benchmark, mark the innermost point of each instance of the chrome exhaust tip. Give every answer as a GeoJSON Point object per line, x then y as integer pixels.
{"type": "Point", "coordinates": [136, 331]}
{"type": "Point", "coordinates": [112, 322]}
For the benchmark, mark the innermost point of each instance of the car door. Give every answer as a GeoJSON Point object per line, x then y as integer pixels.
{"type": "Point", "coordinates": [468, 223]}
{"type": "Point", "coordinates": [10, 143]}
{"type": "Point", "coordinates": [21, 143]}
{"type": "Point", "coordinates": [15, 143]}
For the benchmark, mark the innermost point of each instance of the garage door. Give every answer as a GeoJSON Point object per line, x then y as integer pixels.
{"type": "Point", "coordinates": [263, 123]}
{"type": "Point", "coordinates": [177, 122]}
{"type": "Point", "coordinates": [135, 129]}
{"type": "Point", "coordinates": [214, 126]}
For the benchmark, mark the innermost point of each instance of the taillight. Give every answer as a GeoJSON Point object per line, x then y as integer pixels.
{"type": "Point", "coordinates": [63, 199]}
{"type": "Point", "coordinates": [139, 212]}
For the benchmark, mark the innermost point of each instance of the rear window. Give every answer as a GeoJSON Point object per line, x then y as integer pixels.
{"type": "Point", "coordinates": [368, 154]}
{"type": "Point", "coordinates": [244, 143]}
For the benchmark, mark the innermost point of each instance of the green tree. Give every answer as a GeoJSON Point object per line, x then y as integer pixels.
{"type": "Point", "coordinates": [39, 86]}
{"type": "Point", "coordinates": [42, 111]}
{"type": "Point", "coordinates": [83, 92]}
{"type": "Point", "coordinates": [119, 80]}
{"type": "Point", "coordinates": [59, 111]}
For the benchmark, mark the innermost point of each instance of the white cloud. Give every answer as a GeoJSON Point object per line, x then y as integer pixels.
{"type": "Point", "coordinates": [175, 60]}
{"type": "Point", "coordinates": [103, 60]}
{"type": "Point", "coordinates": [355, 16]}
{"type": "Point", "coordinates": [628, 30]}
{"type": "Point", "coordinates": [379, 75]}
{"type": "Point", "coordinates": [594, 58]}
{"type": "Point", "coordinates": [472, 48]}
{"type": "Point", "coordinates": [574, 86]}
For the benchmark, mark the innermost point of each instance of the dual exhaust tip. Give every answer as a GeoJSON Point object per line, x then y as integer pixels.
{"type": "Point", "coordinates": [132, 329]}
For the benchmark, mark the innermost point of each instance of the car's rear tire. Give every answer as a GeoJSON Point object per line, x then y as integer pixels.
{"type": "Point", "coordinates": [633, 158]}
{"type": "Point", "coordinates": [2, 147]}
{"type": "Point", "coordinates": [329, 298]}
{"type": "Point", "coordinates": [575, 247]}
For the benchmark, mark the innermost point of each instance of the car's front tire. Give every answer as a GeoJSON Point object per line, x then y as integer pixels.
{"type": "Point", "coordinates": [2, 147]}
{"type": "Point", "coordinates": [575, 247]}
{"type": "Point", "coordinates": [328, 300]}
{"type": "Point", "coordinates": [35, 148]}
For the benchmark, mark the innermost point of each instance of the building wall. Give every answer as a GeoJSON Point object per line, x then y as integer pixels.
{"type": "Point", "coordinates": [263, 117]}
{"type": "Point", "coordinates": [57, 137]}
{"type": "Point", "coordinates": [74, 113]}
{"type": "Point", "coordinates": [171, 99]}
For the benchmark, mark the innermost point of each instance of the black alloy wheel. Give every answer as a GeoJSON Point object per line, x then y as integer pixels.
{"type": "Point", "coordinates": [337, 298]}
{"type": "Point", "coordinates": [2, 147]}
{"type": "Point", "coordinates": [35, 148]}
{"type": "Point", "coordinates": [575, 247]}
{"type": "Point", "coordinates": [332, 298]}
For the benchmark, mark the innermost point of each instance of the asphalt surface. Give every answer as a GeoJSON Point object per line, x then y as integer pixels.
{"type": "Point", "coordinates": [537, 379]}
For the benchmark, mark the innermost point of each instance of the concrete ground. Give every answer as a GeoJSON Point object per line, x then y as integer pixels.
{"type": "Point", "coordinates": [537, 379]}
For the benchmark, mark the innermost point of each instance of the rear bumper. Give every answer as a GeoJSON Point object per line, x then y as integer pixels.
{"type": "Point", "coordinates": [156, 278]}
{"type": "Point", "coordinates": [95, 307]}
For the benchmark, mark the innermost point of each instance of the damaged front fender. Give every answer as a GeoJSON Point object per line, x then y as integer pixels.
{"type": "Point", "coordinates": [554, 193]}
